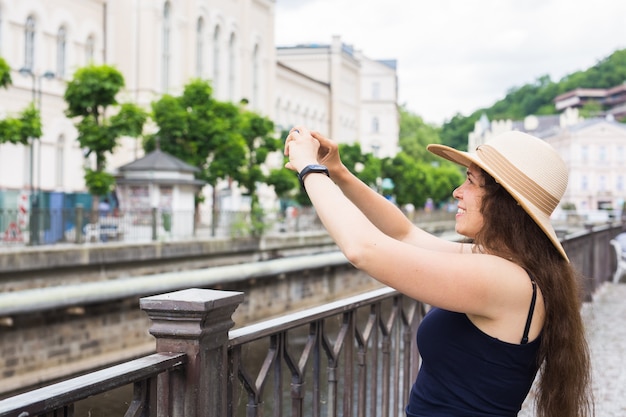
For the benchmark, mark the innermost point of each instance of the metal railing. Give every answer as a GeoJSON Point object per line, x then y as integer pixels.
{"type": "Point", "coordinates": [79, 226]}
{"type": "Point", "coordinates": [59, 399]}
{"type": "Point", "coordinates": [76, 225]}
{"type": "Point", "coordinates": [353, 355]}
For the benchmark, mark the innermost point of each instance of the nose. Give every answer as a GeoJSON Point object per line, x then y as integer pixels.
{"type": "Point", "coordinates": [457, 193]}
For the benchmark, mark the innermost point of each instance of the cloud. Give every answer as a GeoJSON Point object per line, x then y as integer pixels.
{"type": "Point", "coordinates": [456, 56]}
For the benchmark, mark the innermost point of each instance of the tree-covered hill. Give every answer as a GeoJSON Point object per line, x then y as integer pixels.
{"type": "Point", "coordinates": [537, 97]}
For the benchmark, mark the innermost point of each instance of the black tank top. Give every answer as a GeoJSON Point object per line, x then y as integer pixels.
{"type": "Point", "coordinates": [465, 372]}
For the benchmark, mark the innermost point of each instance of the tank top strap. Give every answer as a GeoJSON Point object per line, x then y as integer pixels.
{"type": "Point", "coordinates": [530, 313]}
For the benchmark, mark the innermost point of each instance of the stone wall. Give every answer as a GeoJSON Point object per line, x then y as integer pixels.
{"type": "Point", "coordinates": [39, 348]}
{"type": "Point", "coordinates": [46, 266]}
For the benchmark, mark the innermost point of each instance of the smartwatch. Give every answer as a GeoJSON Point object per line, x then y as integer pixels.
{"type": "Point", "coordinates": [312, 168]}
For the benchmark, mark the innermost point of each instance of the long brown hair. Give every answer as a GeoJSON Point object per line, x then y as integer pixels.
{"type": "Point", "coordinates": [564, 386]}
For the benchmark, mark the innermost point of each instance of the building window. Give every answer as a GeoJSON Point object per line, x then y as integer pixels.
{"type": "Point", "coordinates": [584, 156]}
{"type": "Point", "coordinates": [165, 58]}
{"type": "Point", "coordinates": [602, 185]}
{"type": "Point", "coordinates": [29, 44]}
{"type": "Point", "coordinates": [90, 47]}
{"type": "Point", "coordinates": [278, 115]}
{"type": "Point", "coordinates": [620, 154]}
{"type": "Point", "coordinates": [375, 125]}
{"type": "Point", "coordinates": [61, 51]}
{"type": "Point", "coordinates": [231, 68]}
{"type": "Point", "coordinates": [216, 59]}
{"type": "Point", "coordinates": [602, 153]}
{"type": "Point", "coordinates": [305, 116]}
{"type": "Point", "coordinates": [60, 161]}
{"type": "Point", "coordinates": [296, 113]}
{"type": "Point", "coordinates": [375, 91]}
{"type": "Point", "coordinates": [288, 116]}
{"type": "Point", "coordinates": [584, 183]}
{"type": "Point", "coordinates": [620, 183]}
{"type": "Point", "coordinates": [200, 48]}
{"type": "Point", "coordinates": [255, 76]}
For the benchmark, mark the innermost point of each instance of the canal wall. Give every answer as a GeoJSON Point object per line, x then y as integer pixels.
{"type": "Point", "coordinates": [48, 334]}
{"type": "Point", "coordinates": [49, 266]}
{"type": "Point", "coordinates": [23, 268]}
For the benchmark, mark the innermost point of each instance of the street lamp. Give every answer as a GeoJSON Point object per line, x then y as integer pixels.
{"type": "Point", "coordinates": [34, 196]}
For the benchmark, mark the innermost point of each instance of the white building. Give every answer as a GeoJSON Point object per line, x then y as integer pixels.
{"type": "Point", "coordinates": [160, 45]}
{"type": "Point", "coordinates": [595, 152]}
{"type": "Point", "coordinates": [361, 92]}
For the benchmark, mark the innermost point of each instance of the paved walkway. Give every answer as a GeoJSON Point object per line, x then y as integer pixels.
{"type": "Point", "coordinates": [605, 320]}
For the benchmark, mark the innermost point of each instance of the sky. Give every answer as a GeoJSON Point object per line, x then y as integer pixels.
{"type": "Point", "coordinates": [457, 56]}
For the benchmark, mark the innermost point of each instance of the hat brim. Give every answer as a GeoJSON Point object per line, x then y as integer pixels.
{"type": "Point", "coordinates": [466, 159]}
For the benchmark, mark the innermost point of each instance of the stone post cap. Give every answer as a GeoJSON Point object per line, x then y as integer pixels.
{"type": "Point", "coordinates": [192, 299]}
{"type": "Point", "coordinates": [191, 314]}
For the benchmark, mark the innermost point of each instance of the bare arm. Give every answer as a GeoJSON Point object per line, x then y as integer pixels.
{"type": "Point", "coordinates": [385, 215]}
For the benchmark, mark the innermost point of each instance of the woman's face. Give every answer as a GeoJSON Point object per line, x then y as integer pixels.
{"type": "Point", "coordinates": [469, 219]}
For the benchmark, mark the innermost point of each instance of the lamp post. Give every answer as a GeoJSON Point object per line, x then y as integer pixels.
{"type": "Point", "coordinates": [34, 195]}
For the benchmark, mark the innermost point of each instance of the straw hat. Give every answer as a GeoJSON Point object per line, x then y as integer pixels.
{"type": "Point", "coordinates": [527, 167]}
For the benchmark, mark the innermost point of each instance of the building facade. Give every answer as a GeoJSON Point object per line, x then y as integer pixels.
{"type": "Point", "coordinates": [159, 46]}
{"type": "Point", "coordinates": [361, 92]}
{"type": "Point", "coordinates": [595, 152]}
{"type": "Point", "coordinates": [612, 101]}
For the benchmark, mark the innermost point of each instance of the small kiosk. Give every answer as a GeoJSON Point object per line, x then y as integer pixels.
{"type": "Point", "coordinates": [158, 183]}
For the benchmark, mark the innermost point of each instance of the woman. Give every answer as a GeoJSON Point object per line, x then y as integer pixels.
{"type": "Point", "coordinates": [505, 306]}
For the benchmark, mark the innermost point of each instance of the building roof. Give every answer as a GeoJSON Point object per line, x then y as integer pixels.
{"type": "Point", "coordinates": [541, 126]}
{"type": "Point", "coordinates": [158, 160]}
{"type": "Point", "coordinates": [596, 120]}
{"type": "Point", "coordinates": [160, 181]}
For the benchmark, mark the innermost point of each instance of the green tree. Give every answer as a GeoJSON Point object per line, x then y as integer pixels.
{"type": "Point", "coordinates": [285, 183]}
{"type": "Point", "coordinates": [26, 124]}
{"type": "Point", "coordinates": [201, 131]}
{"type": "Point", "coordinates": [364, 165]}
{"type": "Point", "coordinates": [591, 109]}
{"type": "Point", "coordinates": [90, 95]}
{"type": "Point", "coordinates": [222, 139]}
{"type": "Point", "coordinates": [455, 132]}
{"type": "Point", "coordinates": [5, 74]}
{"type": "Point", "coordinates": [409, 177]}
{"type": "Point", "coordinates": [417, 173]}
{"type": "Point", "coordinates": [258, 135]}
{"type": "Point", "coordinates": [444, 179]}
{"type": "Point", "coordinates": [607, 73]}
{"type": "Point", "coordinates": [417, 181]}
{"type": "Point", "coordinates": [415, 135]}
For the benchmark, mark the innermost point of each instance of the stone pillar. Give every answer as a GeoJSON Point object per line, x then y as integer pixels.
{"type": "Point", "coordinates": [195, 322]}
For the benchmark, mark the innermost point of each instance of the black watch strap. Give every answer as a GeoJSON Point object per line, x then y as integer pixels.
{"type": "Point", "coordinates": [310, 169]}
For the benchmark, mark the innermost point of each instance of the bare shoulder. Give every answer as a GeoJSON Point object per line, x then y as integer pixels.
{"type": "Point", "coordinates": [515, 298]}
